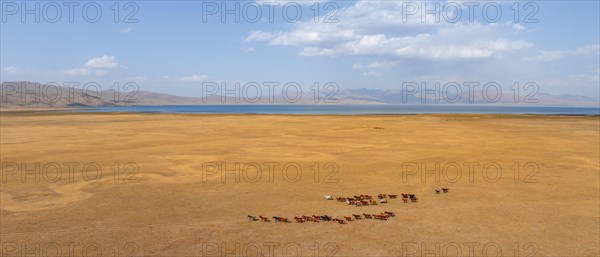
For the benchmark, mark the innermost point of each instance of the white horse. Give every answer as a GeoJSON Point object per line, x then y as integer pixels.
{"type": "Point", "coordinates": [328, 197]}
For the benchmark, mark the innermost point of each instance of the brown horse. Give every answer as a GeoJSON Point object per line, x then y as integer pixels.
{"type": "Point", "coordinates": [280, 219]}
{"type": "Point", "coordinates": [340, 221]}
{"type": "Point", "coordinates": [380, 217]}
{"type": "Point", "coordinates": [311, 218]}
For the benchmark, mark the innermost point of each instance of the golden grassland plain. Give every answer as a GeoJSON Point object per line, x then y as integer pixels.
{"type": "Point", "coordinates": [177, 204]}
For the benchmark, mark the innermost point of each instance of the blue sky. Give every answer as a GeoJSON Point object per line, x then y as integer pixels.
{"type": "Point", "coordinates": [373, 44]}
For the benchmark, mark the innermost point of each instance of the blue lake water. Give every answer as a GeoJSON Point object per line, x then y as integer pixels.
{"type": "Point", "coordinates": [348, 109]}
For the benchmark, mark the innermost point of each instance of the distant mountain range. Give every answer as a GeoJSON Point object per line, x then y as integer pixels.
{"type": "Point", "coordinates": [37, 95]}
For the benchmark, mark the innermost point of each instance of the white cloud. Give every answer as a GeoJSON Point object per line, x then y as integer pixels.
{"type": "Point", "coordinates": [585, 51]}
{"type": "Point", "coordinates": [194, 78]}
{"type": "Point", "coordinates": [518, 26]}
{"type": "Point", "coordinates": [381, 65]}
{"type": "Point", "coordinates": [420, 46]}
{"type": "Point", "coordinates": [98, 66]}
{"type": "Point", "coordinates": [376, 28]}
{"type": "Point", "coordinates": [126, 30]}
{"type": "Point", "coordinates": [104, 62]}
{"type": "Point", "coordinates": [258, 36]}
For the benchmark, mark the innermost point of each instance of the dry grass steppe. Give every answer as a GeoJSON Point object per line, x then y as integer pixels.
{"type": "Point", "coordinates": [178, 204]}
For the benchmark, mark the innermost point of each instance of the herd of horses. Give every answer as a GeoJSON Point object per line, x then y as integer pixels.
{"type": "Point", "coordinates": [325, 218]}
{"type": "Point", "coordinates": [362, 200]}
{"type": "Point", "coordinates": [358, 200]}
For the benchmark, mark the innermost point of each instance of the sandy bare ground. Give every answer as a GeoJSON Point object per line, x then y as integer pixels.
{"type": "Point", "coordinates": [169, 184]}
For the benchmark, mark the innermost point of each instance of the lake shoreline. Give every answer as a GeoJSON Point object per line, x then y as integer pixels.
{"type": "Point", "coordinates": [343, 110]}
